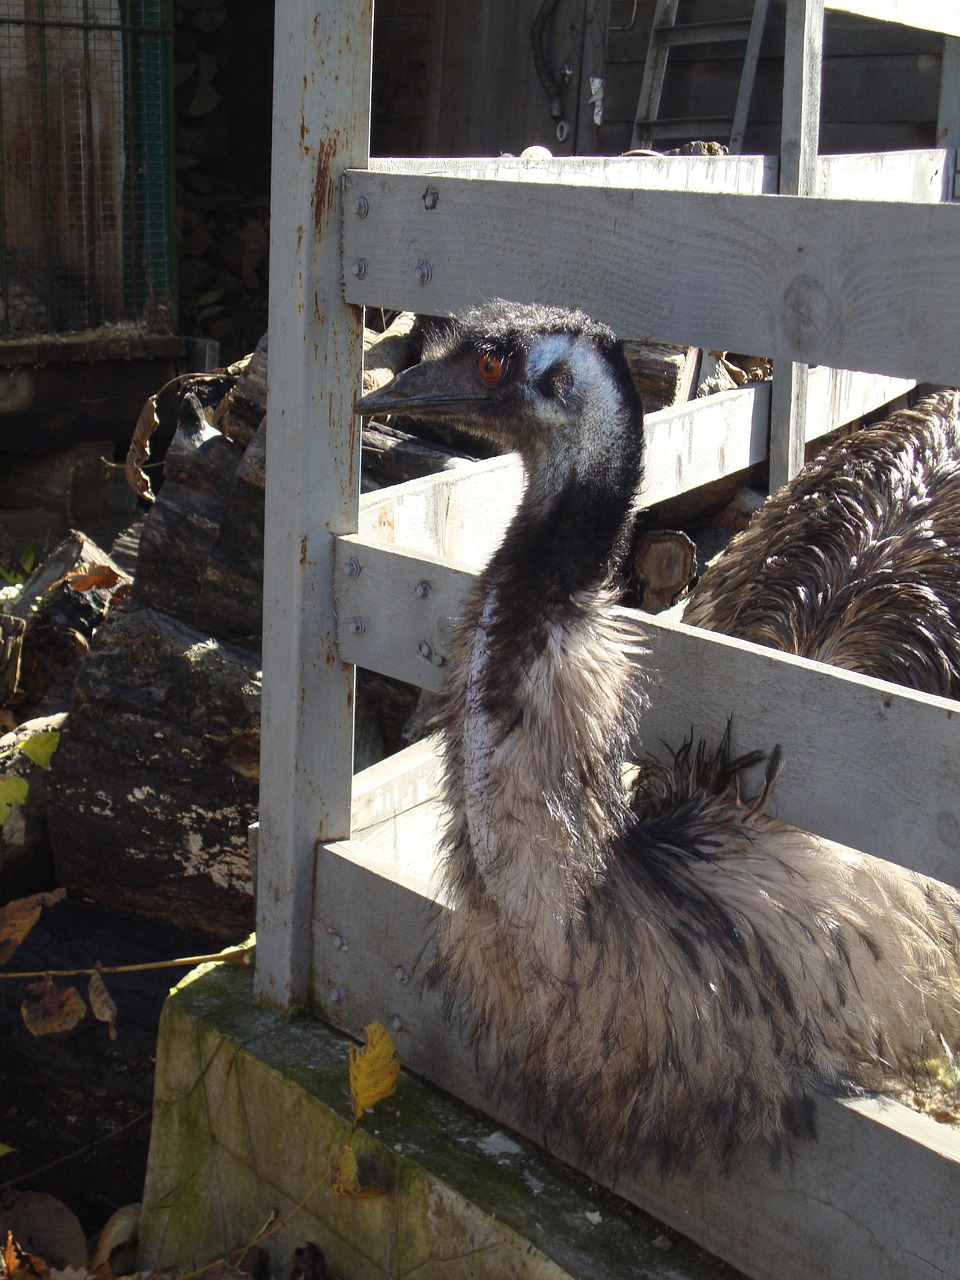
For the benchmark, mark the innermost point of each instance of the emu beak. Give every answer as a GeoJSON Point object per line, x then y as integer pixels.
{"type": "Point", "coordinates": [421, 389]}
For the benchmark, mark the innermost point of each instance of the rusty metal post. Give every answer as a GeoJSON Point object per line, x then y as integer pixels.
{"type": "Point", "coordinates": [322, 65]}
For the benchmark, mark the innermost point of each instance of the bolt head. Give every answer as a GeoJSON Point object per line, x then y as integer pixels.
{"type": "Point", "coordinates": [361, 206]}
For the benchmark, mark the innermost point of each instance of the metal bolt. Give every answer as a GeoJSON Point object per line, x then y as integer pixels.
{"type": "Point", "coordinates": [563, 131]}
{"type": "Point", "coordinates": [425, 649]}
{"type": "Point", "coordinates": [400, 973]}
{"type": "Point", "coordinates": [352, 567]}
{"type": "Point", "coordinates": [423, 589]}
{"type": "Point", "coordinates": [431, 198]}
{"type": "Point", "coordinates": [398, 1026]}
{"type": "Point", "coordinates": [359, 268]}
{"type": "Point", "coordinates": [336, 995]}
{"type": "Point", "coordinates": [357, 627]}
{"type": "Point", "coordinates": [340, 942]}
{"type": "Point", "coordinates": [424, 271]}
{"type": "Point", "coordinates": [361, 206]}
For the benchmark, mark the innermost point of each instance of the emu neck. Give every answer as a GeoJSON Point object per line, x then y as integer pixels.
{"type": "Point", "coordinates": [546, 712]}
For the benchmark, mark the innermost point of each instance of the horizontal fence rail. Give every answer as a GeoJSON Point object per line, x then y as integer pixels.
{"type": "Point", "coordinates": [866, 285]}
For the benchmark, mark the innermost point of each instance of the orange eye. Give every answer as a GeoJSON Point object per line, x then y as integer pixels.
{"type": "Point", "coordinates": [491, 368]}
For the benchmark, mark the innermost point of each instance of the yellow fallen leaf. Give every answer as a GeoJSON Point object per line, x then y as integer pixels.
{"type": "Point", "coordinates": [374, 1068]}
{"type": "Point", "coordinates": [346, 1181]}
{"type": "Point", "coordinates": [39, 747]}
{"type": "Point", "coordinates": [13, 790]}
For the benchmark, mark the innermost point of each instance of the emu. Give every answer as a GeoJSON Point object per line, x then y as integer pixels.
{"type": "Point", "coordinates": [659, 968]}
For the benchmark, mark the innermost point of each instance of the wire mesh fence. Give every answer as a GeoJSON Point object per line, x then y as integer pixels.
{"type": "Point", "coordinates": [85, 203]}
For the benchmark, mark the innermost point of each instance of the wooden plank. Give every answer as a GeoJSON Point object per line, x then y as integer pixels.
{"type": "Point", "coordinates": [839, 731]}
{"type": "Point", "coordinates": [695, 443]}
{"type": "Point", "coordinates": [837, 396]}
{"type": "Point", "coordinates": [928, 15]}
{"type": "Point", "coordinates": [948, 108]}
{"type": "Point", "coordinates": [320, 126]}
{"type": "Point", "coordinates": [874, 1196]}
{"type": "Point", "coordinates": [922, 177]}
{"type": "Point", "coordinates": [725, 272]}
{"type": "Point", "coordinates": [740, 174]}
{"type": "Point", "coordinates": [454, 515]}
{"type": "Point", "coordinates": [799, 144]}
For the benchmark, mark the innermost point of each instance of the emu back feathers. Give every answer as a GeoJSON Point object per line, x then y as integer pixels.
{"type": "Point", "coordinates": [856, 561]}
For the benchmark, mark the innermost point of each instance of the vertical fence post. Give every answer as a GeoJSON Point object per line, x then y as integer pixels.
{"type": "Point", "coordinates": [320, 127]}
{"type": "Point", "coordinates": [799, 149]}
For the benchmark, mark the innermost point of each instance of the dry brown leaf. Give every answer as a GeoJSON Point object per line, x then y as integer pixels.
{"type": "Point", "coordinates": [374, 1068]}
{"type": "Point", "coordinates": [53, 1008]}
{"type": "Point", "coordinates": [346, 1180]}
{"type": "Point", "coordinates": [43, 1224]}
{"type": "Point", "coordinates": [17, 918]}
{"type": "Point", "coordinates": [122, 1228]}
{"type": "Point", "coordinates": [86, 576]}
{"type": "Point", "coordinates": [104, 1010]}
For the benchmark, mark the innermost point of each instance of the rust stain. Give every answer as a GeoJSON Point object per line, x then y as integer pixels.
{"type": "Point", "coordinates": [325, 187]}
{"type": "Point", "coordinates": [303, 551]}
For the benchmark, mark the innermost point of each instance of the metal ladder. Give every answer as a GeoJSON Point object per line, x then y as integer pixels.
{"type": "Point", "coordinates": [666, 34]}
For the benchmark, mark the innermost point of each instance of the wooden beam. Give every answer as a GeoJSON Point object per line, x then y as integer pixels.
{"type": "Point", "coordinates": [926, 15]}
{"type": "Point", "coordinates": [851, 284]}
{"type": "Point", "coordinates": [321, 105]}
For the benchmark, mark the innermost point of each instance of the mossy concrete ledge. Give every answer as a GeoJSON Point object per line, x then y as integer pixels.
{"type": "Point", "coordinates": [251, 1109]}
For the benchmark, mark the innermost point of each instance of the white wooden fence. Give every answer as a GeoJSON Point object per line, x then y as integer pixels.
{"type": "Point", "coordinates": [863, 275]}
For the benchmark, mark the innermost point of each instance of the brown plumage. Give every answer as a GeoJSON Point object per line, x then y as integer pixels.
{"type": "Point", "coordinates": [856, 561]}
{"type": "Point", "coordinates": [662, 972]}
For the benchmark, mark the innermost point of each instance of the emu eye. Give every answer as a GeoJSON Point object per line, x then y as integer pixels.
{"type": "Point", "coordinates": [491, 368]}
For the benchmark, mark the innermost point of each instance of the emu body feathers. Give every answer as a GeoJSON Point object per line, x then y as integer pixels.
{"type": "Point", "coordinates": [663, 971]}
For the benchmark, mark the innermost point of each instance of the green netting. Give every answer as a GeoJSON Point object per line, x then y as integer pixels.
{"type": "Point", "coordinates": [85, 190]}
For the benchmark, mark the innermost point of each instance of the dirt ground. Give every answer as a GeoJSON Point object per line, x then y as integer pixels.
{"type": "Point", "coordinates": [76, 1106]}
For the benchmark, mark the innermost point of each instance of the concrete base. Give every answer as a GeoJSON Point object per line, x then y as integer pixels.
{"type": "Point", "coordinates": [251, 1109]}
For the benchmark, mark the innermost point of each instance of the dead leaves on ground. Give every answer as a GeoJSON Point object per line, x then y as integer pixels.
{"type": "Point", "coordinates": [17, 918]}
{"type": "Point", "coordinates": [374, 1068]}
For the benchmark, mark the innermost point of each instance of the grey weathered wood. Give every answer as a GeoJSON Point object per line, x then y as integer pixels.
{"type": "Point", "coordinates": [321, 103]}
{"type": "Point", "coordinates": [743, 174]}
{"type": "Point", "coordinates": [948, 109]}
{"type": "Point", "coordinates": [889, 1216]}
{"type": "Point", "coordinates": [922, 177]}
{"type": "Point", "coordinates": [698, 678]}
{"type": "Point", "coordinates": [799, 145]}
{"type": "Point", "coordinates": [927, 15]}
{"type": "Point", "coordinates": [720, 271]}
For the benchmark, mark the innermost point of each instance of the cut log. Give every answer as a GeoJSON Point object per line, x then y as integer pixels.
{"type": "Point", "coordinates": [664, 375]}
{"type": "Point", "coordinates": [663, 567]}
{"type": "Point", "coordinates": [386, 354]}
{"type": "Point", "coordinates": [153, 769]}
